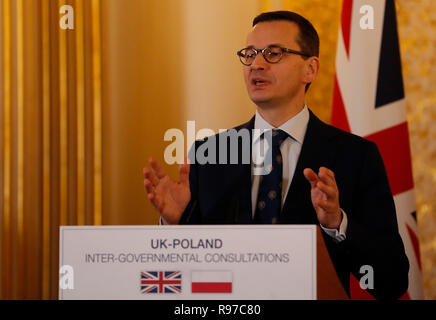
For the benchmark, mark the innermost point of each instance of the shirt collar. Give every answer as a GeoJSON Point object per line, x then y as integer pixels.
{"type": "Point", "coordinates": [295, 127]}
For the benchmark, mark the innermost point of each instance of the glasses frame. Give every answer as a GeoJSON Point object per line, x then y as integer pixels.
{"type": "Point", "coordinates": [257, 51]}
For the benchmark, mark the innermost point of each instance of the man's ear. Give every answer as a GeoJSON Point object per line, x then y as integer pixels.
{"type": "Point", "coordinates": [312, 68]}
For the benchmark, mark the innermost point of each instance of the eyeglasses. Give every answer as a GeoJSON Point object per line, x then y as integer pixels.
{"type": "Point", "coordinates": [272, 54]}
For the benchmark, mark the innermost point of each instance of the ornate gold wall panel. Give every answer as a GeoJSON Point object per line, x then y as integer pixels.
{"type": "Point", "coordinates": [51, 137]}
{"type": "Point", "coordinates": [417, 31]}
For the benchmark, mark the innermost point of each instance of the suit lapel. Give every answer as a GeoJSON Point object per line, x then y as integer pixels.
{"type": "Point", "coordinates": [314, 153]}
{"type": "Point", "coordinates": [244, 209]}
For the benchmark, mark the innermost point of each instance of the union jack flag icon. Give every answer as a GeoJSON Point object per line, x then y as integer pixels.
{"type": "Point", "coordinates": [161, 282]}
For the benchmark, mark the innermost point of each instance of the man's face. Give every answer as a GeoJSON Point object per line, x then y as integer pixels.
{"type": "Point", "coordinates": [282, 81]}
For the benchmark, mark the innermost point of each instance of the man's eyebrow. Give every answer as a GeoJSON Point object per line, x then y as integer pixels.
{"type": "Point", "coordinates": [269, 45]}
{"type": "Point", "coordinates": [276, 44]}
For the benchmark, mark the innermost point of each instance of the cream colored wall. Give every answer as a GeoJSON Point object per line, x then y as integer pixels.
{"type": "Point", "coordinates": [143, 62]}
{"type": "Point", "coordinates": [165, 62]}
{"type": "Point", "coordinates": [213, 83]}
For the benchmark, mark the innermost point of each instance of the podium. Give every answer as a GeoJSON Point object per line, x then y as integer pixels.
{"type": "Point", "coordinates": [329, 287]}
{"type": "Point", "coordinates": [208, 262]}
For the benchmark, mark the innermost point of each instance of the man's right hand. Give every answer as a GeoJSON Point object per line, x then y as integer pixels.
{"type": "Point", "coordinates": [170, 198]}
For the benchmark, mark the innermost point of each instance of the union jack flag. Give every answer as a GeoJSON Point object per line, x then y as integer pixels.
{"type": "Point", "coordinates": [369, 100]}
{"type": "Point", "coordinates": [161, 282]}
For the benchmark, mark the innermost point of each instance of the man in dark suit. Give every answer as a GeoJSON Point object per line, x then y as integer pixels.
{"type": "Point", "coordinates": [319, 174]}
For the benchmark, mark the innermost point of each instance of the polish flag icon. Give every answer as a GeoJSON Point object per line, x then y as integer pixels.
{"type": "Point", "coordinates": [211, 281]}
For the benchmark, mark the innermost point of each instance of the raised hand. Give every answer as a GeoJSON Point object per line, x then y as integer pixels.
{"type": "Point", "coordinates": [169, 197]}
{"type": "Point", "coordinates": [325, 197]}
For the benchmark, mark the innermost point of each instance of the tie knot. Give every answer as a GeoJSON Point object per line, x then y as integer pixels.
{"type": "Point", "coordinates": [278, 136]}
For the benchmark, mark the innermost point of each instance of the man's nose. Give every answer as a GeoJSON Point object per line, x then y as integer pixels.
{"type": "Point", "coordinates": [259, 62]}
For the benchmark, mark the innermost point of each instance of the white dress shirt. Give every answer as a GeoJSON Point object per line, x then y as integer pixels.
{"type": "Point", "coordinates": [290, 150]}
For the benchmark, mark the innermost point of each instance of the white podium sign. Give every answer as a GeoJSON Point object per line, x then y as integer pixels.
{"type": "Point", "coordinates": [207, 262]}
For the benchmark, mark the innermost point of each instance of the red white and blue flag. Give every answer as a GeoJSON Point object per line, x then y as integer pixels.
{"type": "Point", "coordinates": [161, 282]}
{"type": "Point", "coordinates": [369, 100]}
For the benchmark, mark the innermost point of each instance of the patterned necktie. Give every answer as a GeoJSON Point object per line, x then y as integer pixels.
{"type": "Point", "coordinates": [269, 198]}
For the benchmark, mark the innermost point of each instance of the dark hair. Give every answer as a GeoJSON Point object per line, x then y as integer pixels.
{"type": "Point", "coordinates": [307, 39]}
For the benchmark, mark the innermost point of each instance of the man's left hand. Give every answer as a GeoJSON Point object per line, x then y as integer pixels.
{"type": "Point", "coordinates": [325, 197]}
